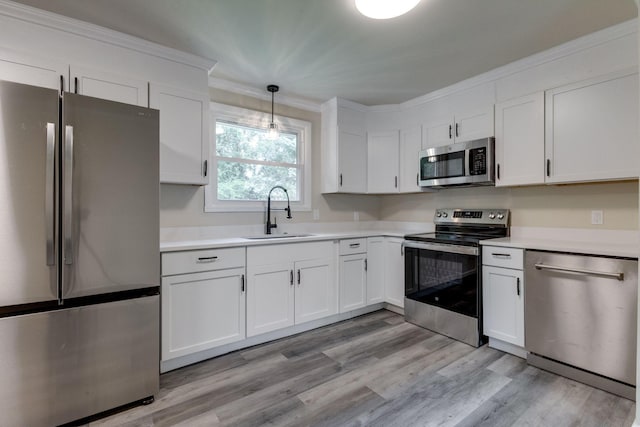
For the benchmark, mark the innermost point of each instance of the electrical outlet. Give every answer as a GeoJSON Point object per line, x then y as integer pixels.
{"type": "Point", "coordinates": [356, 216]}
{"type": "Point", "coordinates": [316, 214]}
{"type": "Point", "coordinates": [597, 217]}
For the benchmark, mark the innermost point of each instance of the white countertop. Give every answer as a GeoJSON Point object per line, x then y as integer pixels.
{"type": "Point", "coordinates": [228, 242]}
{"type": "Point", "coordinates": [627, 250]}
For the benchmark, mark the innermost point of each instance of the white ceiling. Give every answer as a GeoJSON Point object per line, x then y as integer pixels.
{"type": "Point", "coordinates": [318, 49]}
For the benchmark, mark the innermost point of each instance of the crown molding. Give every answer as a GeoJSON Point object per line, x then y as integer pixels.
{"type": "Point", "coordinates": [259, 93]}
{"type": "Point", "coordinates": [84, 29]}
{"type": "Point", "coordinates": [585, 42]}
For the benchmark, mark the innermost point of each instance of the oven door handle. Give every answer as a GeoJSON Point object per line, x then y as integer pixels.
{"type": "Point", "coordinates": [439, 247]}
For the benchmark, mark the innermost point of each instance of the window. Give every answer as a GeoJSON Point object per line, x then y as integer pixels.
{"type": "Point", "coordinates": [246, 165]}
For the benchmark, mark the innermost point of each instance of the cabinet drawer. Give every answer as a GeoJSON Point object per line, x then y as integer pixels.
{"type": "Point", "coordinates": [205, 260]}
{"type": "Point", "coordinates": [502, 257]}
{"type": "Point", "coordinates": [353, 246]}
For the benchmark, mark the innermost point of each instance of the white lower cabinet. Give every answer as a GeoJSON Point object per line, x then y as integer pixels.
{"type": "Point", "coordinates": [201, 311]}
{"type": "Point", "coordinates": [270, 301]}
{"type": "Point", "coordinates": [394, 272]}
{"type": "Point", "coordinates": [353, 282]}
{"type": "Point", "coordinates": [376, 269]}
{"type": "Point", "coordinates": [503, 298]}
{"type": "Point", "coordinates": [289, 285]}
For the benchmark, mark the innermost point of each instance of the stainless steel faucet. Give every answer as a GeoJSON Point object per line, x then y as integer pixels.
{"type": "Point", "coordinates": [269, 225]}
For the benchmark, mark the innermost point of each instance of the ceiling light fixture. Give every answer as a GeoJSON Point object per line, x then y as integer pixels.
{"type": "Point", "coordinates": [385, 9]}
{"type": "Point", "coordinates": [273, 132]}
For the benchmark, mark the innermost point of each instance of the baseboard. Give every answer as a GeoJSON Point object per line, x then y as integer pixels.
{"type": "Point", "coordinates": [508, 347]}
{"type": "Point", "coordinates": [394, 308]}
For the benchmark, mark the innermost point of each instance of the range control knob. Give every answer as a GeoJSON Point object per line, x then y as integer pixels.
{"type": "Point", "coordinates": [500, 216]}
{"type": "Point", "coordinates": [492, 216]}
{"type": "Point", "coordinates": [444, 214]}
{"type": "Point", "coordinates": [438, 214]}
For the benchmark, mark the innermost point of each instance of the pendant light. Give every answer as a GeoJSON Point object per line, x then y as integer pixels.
{"type": "Point", "coordinates": [273, 132]}
{"type": "Point", "coordinates": [385, 9]}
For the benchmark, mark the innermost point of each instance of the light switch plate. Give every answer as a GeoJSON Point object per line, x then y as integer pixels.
{"type": "Point", "coordinates": [597, 217]}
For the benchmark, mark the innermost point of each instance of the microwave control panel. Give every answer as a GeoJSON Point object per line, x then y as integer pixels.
{"type": "Point", "coordinates": [478, 161]}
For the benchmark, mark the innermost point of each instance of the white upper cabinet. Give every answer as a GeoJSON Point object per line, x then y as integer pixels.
{"type": "Point", "coordinates": [383, 163]}
{"type": "Point", "coordinates": [344, 148]}
{"type": "Point", "coordinates": [20, 68]}
{"type": "Point", "coordinates": [592, 129]}
{"type": "Point", "coordinates": [520, 141]}
{"type": "Point", "coordinates": [184, 133]}
{"type": "Point", "coordinates": [352, 162]}
{"type": "Point", "coordinates": [410, 146]}
{"type": "Point", "coordinates": [104, 85]}
{"type": "Point", "coordinates": [458, 127]}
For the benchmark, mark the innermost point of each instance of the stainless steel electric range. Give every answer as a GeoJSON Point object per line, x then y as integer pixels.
{"type": "Point", "coordinates": [443, 277]}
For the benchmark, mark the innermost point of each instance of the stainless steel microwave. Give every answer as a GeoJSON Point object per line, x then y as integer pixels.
{"type": "Point", "coordinates": [465, 163]}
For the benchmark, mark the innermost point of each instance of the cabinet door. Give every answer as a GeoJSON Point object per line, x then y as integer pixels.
{"type": "Point", "coordinates": [202, 311]}
{"type": "Point", "coordinates": [503, 304]}
{"type": "Point", "coordinates": [592, 129]}
{"type": "Point", "coordinates": [353, 282]}
{"type": "Point", "coordinates": [20, 68]}
{"type": "Point", "coordinates": [270, 298]}
{"type": "Point", "coordinates": [383, 151]}
{"type": "Point", "coordinates": [184, 130]}
{"type": "Point", "coordinates": [352, 162]}
{"type": "Point", "coordinates": [410, 146]}
{"type": "Point", "coordinates": [473, 125]}
{"type": "Point", "coordinates": [100, 84]}
{"type": "Point", "coordinates": [316, 294]}
{"type": "Point", "coordinates": [394, 273]}
{"type": "Point", "coordinates": [437, 133]}
{"type": "Point", "coordinates": [520, 141]}
{"type": "Point", "coordinates": [375, 265]}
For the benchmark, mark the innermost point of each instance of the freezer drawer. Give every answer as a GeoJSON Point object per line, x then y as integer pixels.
{"type": "Point", "coordinates": [60, 366]}
{"type": "Point", "coordinates": [580, 311]}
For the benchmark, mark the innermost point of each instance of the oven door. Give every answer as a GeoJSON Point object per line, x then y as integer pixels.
{"type": "Point", "coordinates": [443, 275]}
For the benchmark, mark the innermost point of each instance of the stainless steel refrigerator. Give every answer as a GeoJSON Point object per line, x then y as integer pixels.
{"type": "Point", "coordinates": [79, 255]}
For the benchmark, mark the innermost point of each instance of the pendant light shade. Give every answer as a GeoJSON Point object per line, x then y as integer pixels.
{"type": "Point", "coordinates": [273, 132]}
{"type": "Point", "coordinates": [385, 9]}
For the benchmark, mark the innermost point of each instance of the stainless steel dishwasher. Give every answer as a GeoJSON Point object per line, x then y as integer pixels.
{"type": "Point", "coordinates": [580, 318]}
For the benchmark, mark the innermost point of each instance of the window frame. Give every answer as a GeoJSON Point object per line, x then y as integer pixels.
{"type": "Point", "coordinates": [257, 119]}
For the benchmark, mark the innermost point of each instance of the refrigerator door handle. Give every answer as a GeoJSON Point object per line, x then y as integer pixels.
{"type": "Point", "coordinates": [68, 192]}
{"type": "Point", "coordinates": [49, 194]}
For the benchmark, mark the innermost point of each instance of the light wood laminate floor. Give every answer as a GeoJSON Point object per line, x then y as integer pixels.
{"type": "Point", "coordinates": [372, 370]}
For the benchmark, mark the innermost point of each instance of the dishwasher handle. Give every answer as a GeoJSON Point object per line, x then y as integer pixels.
{"type": "Point", "coordinates": [619, 276]}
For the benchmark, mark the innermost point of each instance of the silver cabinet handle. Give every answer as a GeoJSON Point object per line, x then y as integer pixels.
{"type": "Point", "coordinates": [518, 286]}
{"type": "Point", "coordinates": [396, 182]}
{"type": "Point", "coordinates": [354, 245]}
{"type": "Point", "coordinates": [340, 180]}
{"type": "Point", "coordinates": [206, 259]}
{"type": "Point", "coordinates": [298, 276]}
{"type": "Point", "coordinates": [242, 282]}
{"type": "Point", "coordinates": [501, 255]}
{"type": "Point", "coordinates": [205, 167]}
{"type": "Point", "coordinates": [49, 203]}
{"type": "Point", "coordinates": [291, 277]}
{"type": "Point", "coordinates": [68, 195]}
{"type": "Point", "coordinates": [619, 276]}
{"type": "Point", "coordinates": [366, 265]}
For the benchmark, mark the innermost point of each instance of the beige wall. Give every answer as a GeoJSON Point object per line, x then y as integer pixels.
{"type": "Point", "coordinates": [539, 206]}
{"type": "Point", "coordinates": [183, 205]}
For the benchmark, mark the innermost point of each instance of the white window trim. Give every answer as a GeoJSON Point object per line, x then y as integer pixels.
{"type": "Point", "coordinates": [255, 118]}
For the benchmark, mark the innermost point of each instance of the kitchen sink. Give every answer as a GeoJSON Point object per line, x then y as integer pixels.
{"type": "Point", "coordinates": [276, 236]}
